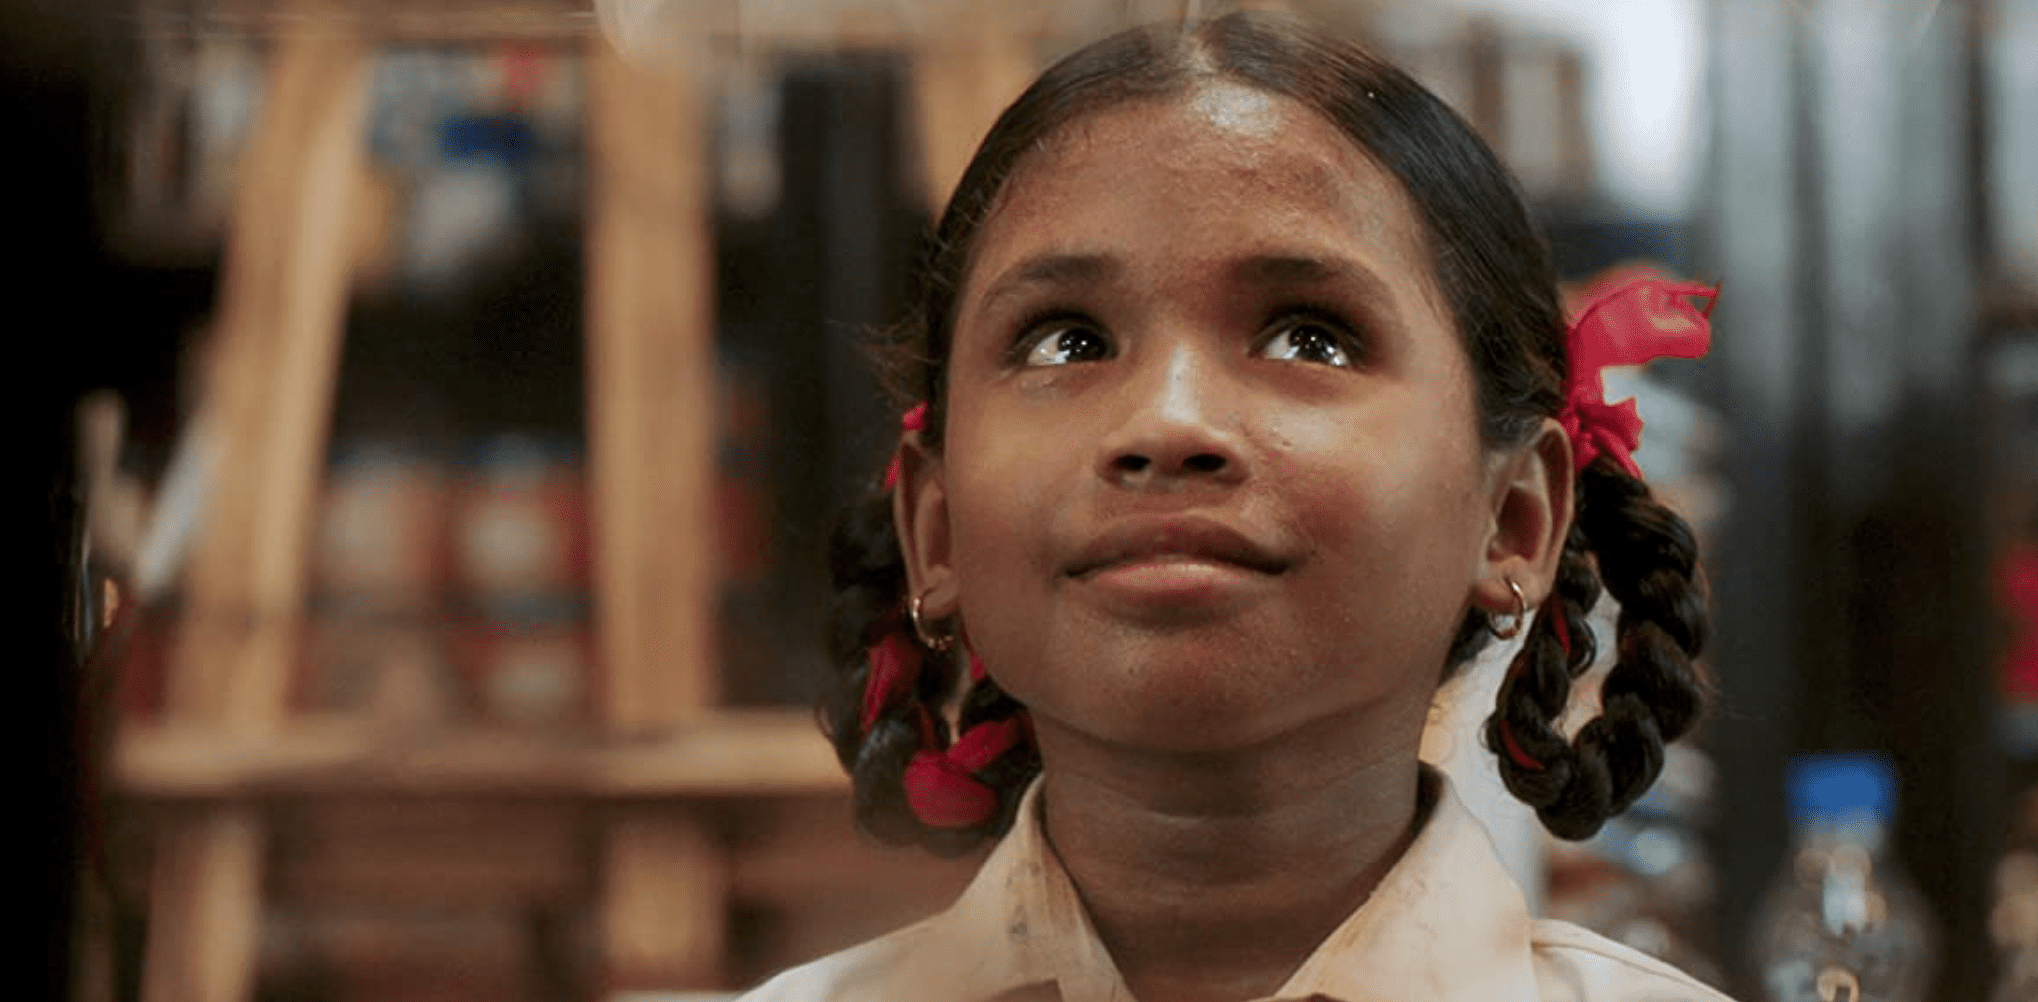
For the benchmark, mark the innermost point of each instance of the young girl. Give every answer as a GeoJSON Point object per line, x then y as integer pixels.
{"type": "Point", "coordinates": [1243, 414]}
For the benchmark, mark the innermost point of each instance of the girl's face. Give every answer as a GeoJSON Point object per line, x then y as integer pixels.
{"type": "Point", "coordinates": [1212, 469]}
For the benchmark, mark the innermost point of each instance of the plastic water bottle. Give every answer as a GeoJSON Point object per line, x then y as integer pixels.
{"type": "Point", "coordinates": [1842, 923]}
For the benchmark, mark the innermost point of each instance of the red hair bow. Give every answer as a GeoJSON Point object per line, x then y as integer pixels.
{"type": "Point", "coordinates": [942, 787]}
{"type": "Point", "coordinates": [1626, 323]}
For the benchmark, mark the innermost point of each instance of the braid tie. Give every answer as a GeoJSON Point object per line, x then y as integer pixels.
{"type": "Point", "coordinates": [894, 668]}
{"type": "Point", "coordinates": [942, 786]}
{"type": "Point", "coordinates": [941, 779]}
{"type": "Point", "coordinates": [1629, 323]}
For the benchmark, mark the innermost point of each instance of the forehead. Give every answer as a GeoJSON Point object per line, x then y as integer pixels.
{"type": "Point", "coordinates": [1222, 169]}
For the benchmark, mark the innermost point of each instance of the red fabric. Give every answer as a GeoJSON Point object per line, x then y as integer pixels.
{"type": "Point", "coordinates": [1626, 322]}
{"type": "Point", "coordinates": [941, 786]}
{"type": "Point", "coordinates": [894, 664]}
{"type": "Point", "coordinates": [985, 743]}
{"type": "Point", "coordinates": [1514, 749]}
{"type": "Point", "coordinates": [914, 419]}
{"type": "Point", "coordinates": [1557, 623]}
{"type": "Point", "coordinates": [942, 795]}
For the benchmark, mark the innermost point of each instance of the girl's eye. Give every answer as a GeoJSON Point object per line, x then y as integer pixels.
{"type": "Point", "coordinates": [1303, 339]}
{"type": "Point", "coordinates": [1062, 344]}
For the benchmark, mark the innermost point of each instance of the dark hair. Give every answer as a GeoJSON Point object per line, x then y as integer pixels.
{"type": "Point", "coordinates": [1496, 273]}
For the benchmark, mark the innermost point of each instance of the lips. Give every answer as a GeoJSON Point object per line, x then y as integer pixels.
{"type": "Point", "coordinates": [1156, 539]}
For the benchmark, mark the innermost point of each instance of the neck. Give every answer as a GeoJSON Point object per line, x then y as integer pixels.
{"type": "Point", "coordinates": [1213, 877]}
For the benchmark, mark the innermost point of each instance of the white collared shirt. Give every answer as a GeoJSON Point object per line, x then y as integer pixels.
{"type": "Point", "coordinates": [1446, 924]}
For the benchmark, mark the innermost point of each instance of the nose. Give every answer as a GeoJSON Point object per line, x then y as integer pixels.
{"type": "Point", "coordinates": [1177, 430]}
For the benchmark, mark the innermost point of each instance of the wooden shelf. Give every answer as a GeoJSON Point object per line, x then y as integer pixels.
{"type": "Point", "coordinates": [257, 798]}
{"type": "Point", "coordinates": [748, 753]}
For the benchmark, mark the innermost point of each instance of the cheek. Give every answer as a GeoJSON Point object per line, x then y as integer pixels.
{"type": "Point", "coordinates": [1011, 469]}
{"type": "Point", "coordinates": [1000, 502]}
{"type": "Point", "coordinates": [1399, 501]}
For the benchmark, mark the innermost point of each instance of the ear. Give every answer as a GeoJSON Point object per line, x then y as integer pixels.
{"type": "Point", "coordinates": [1533, 491]}
{"type": "Point", "coordinates": [920, 513]}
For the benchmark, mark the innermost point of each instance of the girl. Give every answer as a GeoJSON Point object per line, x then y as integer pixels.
{"type": "Point", "coordinates": [1243, 415]}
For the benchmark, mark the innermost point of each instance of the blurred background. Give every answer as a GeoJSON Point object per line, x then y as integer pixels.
{"type": "Point", "coordinates": [436, 410]}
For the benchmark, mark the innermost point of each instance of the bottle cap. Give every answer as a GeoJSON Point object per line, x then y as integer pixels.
{"type": "Point", "coordinates": [1838, 786]}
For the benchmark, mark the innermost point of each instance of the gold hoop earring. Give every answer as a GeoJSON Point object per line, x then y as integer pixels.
{"type": "Point", "coordinates": [1513, 622]}
{"type": "Point", "coordinates": [939, 645]}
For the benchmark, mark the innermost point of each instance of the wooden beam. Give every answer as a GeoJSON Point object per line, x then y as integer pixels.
{"type": "Point", "coordinates": [730, 754]}
{"type": "Point", "coordinates": [652, 381]}
{"type": "Point", "coordinates": [204, 907]}
{"type": "Point", "coordinates": [663, 903]}
{"type": "Point", "coordinates": [269, 401]}
{"type": "Point", "coordinates": [268, 398]}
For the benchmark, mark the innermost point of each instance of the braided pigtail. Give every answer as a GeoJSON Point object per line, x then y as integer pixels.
{"type": "Point", "coordinates": [869, 574]}
{"type": "Point", "coordinates": [916, 779]}
{"type": "Point", "coordinates": [1640, 552]}
{"type": "Point", "coordinates": [1648, 560]}
{"type": "Point", "coordinates": [1535, 757]}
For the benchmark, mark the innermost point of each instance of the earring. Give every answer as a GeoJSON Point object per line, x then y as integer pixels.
{"type": "Point", "coordinates": [1513, 622]}
{"type": "Point", "coordinates": [933, 643]}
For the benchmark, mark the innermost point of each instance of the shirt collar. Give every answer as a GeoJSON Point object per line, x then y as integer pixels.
{"type": "Point", "coordinates": [1445, 924]}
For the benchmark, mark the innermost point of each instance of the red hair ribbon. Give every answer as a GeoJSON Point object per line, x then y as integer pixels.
{"type": "Point", "coordinates": [941, 786]}
{"type": "Point", "coordinates": [914, 419]}
{"type": "Point", "coordinates": [1626, 322]}
{"type": "Point", "coordinates": [894, 667]}
{"type": "Point", "coordinates": [1514, 750]}
{"type": "Point", "coordinates": [1629, 319]}
{"type": "Point", "coordinates": [941, 783]}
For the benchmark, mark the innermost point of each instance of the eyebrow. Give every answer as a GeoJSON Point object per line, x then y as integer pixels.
{"type": "Point", "coordinates": [1276, 269]}
{"type": "Point", "coordinates": [1303, 269]}
{"type": "Point", "coordinates": [1052, 270]}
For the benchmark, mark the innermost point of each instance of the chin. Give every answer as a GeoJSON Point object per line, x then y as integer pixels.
{"type": "Point", "coordinates": [1186, 697]}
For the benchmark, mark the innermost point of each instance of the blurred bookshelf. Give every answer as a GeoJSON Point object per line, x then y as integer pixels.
{"type": "Point", "coordinates": [487, 675]}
